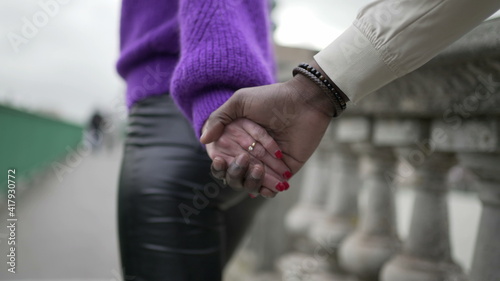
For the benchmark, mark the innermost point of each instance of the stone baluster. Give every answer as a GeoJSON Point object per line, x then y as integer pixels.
{"type": "Point", "coordinates": [341, 212]}
{"type": "Point", "coordinates": [426, 254]}
{"type": "Point", "coordinates": [342, 199]}
{"type": "Point", "coordinates": [301, 263]}
{"type": "Point", "coordinates": [477, 143]}
{"type": "Point", "coordinates": [341, 205]}
{"type": "Point", "coordinates": [310, 205]}
{"type": "Point", "coordinates": [486, 261]}
{"type": "Point", "coordinates": [374, 241]}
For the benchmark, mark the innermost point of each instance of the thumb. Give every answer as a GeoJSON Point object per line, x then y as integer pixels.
{"type": "Point", "coordinates": [214, 126]}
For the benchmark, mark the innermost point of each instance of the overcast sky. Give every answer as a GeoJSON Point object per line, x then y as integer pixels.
{"type": "Point", "coordinates": [67, 65]}
{"type": "Point", "coordinates": [313, 23]}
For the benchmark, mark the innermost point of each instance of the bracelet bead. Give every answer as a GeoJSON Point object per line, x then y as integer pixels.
{"type": "Point", "coordinates": [325, 81]}
{"type": "Point", "coordinates": [326, 90]}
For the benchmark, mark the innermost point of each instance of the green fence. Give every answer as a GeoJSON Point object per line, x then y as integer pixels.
{"type": "Point", "coordinates": [29, 142]}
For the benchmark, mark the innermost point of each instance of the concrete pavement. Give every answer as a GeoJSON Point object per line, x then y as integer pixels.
{"type": "Point", "coordinates": [66, 229]}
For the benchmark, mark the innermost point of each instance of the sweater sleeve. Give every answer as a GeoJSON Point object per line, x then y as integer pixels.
{"type": "Point", "coordinates": [225, 46]}
{"type": "Point", "coordinates": [391, 38]}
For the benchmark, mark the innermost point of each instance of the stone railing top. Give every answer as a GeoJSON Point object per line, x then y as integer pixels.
{"type": "Point", "coordinates": [481, 42]}
{"type": "Point", "coordinates": [466, 74]}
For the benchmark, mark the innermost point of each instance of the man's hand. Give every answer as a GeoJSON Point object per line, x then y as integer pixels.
{"type": "Point", "coordinates": [249, 169]}
{"type": "Point", "coordinates": [295, 113]}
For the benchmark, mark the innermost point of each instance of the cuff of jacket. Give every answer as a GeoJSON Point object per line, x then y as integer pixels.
{"type": "Point", "coordinates": [205, 104]}
{"type": "Point", "coordinates": [354, 64]}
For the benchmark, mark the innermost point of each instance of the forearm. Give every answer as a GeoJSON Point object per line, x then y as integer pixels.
{"type": "Point", "coordinates": [225, 46]}
{"type": "Point", "coordinates": [392, 38]}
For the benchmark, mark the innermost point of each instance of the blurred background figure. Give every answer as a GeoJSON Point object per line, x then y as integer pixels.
{"type": "Point", "coordinates": [104, 131]}
{"type": "Point", "coordinates": [95, 130]}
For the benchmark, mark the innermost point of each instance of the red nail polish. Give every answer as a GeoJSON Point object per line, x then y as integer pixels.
{"type": "Point", "coordinates": [251, 195]}
{"type": "Point", "coordinates": [287, 186]}
{"type": "Point", "coordinates": [280, 186]}
{"type": "Point", "coordinates": [278, 154]}
{"type": "Point", "coordinates": [287, 175]}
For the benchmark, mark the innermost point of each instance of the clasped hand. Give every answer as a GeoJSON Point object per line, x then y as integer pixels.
{"type": "Point", "coordinates": [290, 117]}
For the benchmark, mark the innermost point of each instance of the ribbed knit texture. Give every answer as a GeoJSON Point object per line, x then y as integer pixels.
{"type": "Point", "coordinates": [200, 51]}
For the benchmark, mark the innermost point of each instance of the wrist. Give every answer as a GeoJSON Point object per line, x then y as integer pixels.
{"type": "Point", "coordinates": [307, 92]}
{"type": "Point", "coordinates": [314, 64]}
{"type": "Point", "coordinates": [317, 89]}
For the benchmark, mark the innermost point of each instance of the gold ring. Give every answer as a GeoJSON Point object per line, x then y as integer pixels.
{"type": "Point", "coordinates": [250, 148]}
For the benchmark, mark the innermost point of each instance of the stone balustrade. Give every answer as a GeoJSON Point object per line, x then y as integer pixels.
{"type": "Point", "coordinates": [407, 135]}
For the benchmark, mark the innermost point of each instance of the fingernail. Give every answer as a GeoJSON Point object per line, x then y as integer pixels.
{"type": "Point", "coordinates": [266, 196]}
{"type": "Point", "coordinates": [257, 173]}
{"type": "Point", "coordinates": [280, 186]}
{"type": "Point", "coordinates": [287, 186]}
{"type": "Point", "coordinates": [218, 164]}
{"type": "Point", "coordinates": [287, 175]}
{"type": "Point", "coordinates": [241, 161]}
{"type": "Point", "coordinates": [251, 195]}
{"type": "Point", "coordinates": [278, 154]}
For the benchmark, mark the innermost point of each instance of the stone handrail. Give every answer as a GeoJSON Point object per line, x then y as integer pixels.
{"type": "Point", "coordinates": [443, 114]}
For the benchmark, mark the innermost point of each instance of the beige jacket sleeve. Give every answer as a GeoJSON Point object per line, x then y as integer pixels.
{"type": "Point", "coordinates": [390, 38]}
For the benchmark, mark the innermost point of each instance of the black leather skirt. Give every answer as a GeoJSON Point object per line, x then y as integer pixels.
{"type": "Point", "coordinates": [175, 221]}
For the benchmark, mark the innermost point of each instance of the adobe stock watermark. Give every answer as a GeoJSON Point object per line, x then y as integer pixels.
{"type": "Point", "coordinates": [75, 156]}
{"type": "Point", "coordinates": [201, 200]}
{"type": "Point", "coordinates": [281, 119]}
{"type": "Point", "coordinates": [152, 79]}
{"type": "Point", "coordinates": [384, 16]}
{"type": "Point", "coordinates": [454, 117]}
{"type": "Point", "coordinates": [324, 251]}
{"type": "Point", "coordinates": [31, 25]}
{"type": "Point", "coordinates": [117, 276]}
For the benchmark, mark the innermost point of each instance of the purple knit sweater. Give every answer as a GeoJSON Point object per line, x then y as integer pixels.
{"type": "Point", "coordinates": [199, 51]}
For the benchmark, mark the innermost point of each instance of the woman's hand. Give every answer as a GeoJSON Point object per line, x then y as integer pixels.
{"type": "Point", "coordinates": [254, 156]}
{"type": "Point", "coordinates": [295, 113]}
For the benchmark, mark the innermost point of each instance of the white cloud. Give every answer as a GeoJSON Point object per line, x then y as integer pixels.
{"type": "Point", "coordinates": [313, 23]}
{"type": "Point", "coordinates": [68, 65]}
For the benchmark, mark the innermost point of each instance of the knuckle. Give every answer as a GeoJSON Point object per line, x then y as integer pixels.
{"type": "Point", "coordinates": [224, 141]}
{"type": "Point", "coordinates": [232, 128]}
{"type": "Point", "coordinates": [234, 171]}
{"type": "Point", "coordinates": [218, 173]}
{"type": "Point", "coordinates": [240, 122]}
{"type": "Point", "coordinates": [260, 133]}
{"type": "Point", "coordinates": [234, 183]}
{"type": "Point", "coordinates": [267, 193]}
{"type": "Point", "coordinates": [251, 185]}
{"type": "Point", "coordinates": [259, 152]}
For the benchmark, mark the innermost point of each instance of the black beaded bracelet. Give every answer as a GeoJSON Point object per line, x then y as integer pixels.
{"type": "Point", "coordinates": [336, 104]}
{"type": "Point", "coordinates": [325, 81]}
